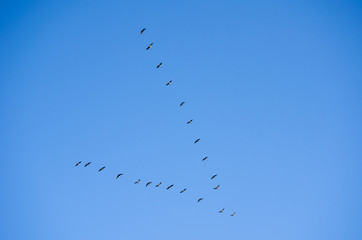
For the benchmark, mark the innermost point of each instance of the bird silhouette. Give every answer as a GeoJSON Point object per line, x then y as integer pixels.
{"type": "Point", "coordinates": [222, 210]}
{"type": "Point", "coordinates": [204, 158]}
{"type": "Point", "coordinates": [101, 169]}
{"type": "Point", "coordinates": [182, 104]}
{"type": "Point", "coordinates": [233, 214]}
{"type": "Point", "coordinates": [149, 46]}
{"type": "Point", "coordinates": [158, 184]}
{"type": "Point", "coordinates": [159, 65]}
{"type": "Point", "coordinates": [197, 140]}
{"type": "Point", "coordinates": [200, 199]}
{"type": "Point", "coordinates": [169, 83]}
{"type": "Point", "coordinates": [189, 121]}
{"type": "Point", "coordinates": [119, 175]}
{"type": "Point", "coordinates": [78, 163]}
{"type": "Point", "coordinates": [137, 181]}
{"type": "Point", "coordinates": [87, 164]}
{"type": "Point", "coordinates": [169, 187]}
{"type": "Point", "coordinates": [216, 187]}
{"type": "Point", "coordinates": [148, 183]}
{"type": "Point", "coordinates": [213, 176]}
{"type": "Point", "coordinates": [183, 190]}
{"type": "Point", "coordinates": [143, 30]}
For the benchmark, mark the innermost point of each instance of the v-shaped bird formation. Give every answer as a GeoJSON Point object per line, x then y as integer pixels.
{"type": "Point", "coordinates": [195, 141]}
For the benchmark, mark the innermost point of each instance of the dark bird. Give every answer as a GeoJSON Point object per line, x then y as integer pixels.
{"type": "Point", "coordinates": [200, 199]}
{"type": "Point", "coordinates": [189, 121]}
{"type": "Point", "coordinates": [101, 169]}
{"type": "Point", "coordinates": [213, 176]}
{"type": "Point", "coordinates": [78, 163]}
{"type": "Point", "coordinates": [222, 210]}
{"type": "Point", "coordinates": [143, 30]}
{"type": "Point", "coordinates": [119, 175]}
{"type": "Point", "coordinates": [159, 65]}
{"type": "Point", "coordinates": [148, 183]}
{"type": "Point", "coordinates": [233, 214]}
{"type": "Point", "coordinates": [149, 46]}
{"type": "Point", "coordinates": [216, 187]}
{"type": "Point", "coordinates": [197, 140]}
{"type": "Point", "coordinates": [169, 187]}
{"type": "Point", "coordinates": [182, 104]}
{"type": "Point", "coordinates": [169, 83]}
{"type": "Point", "coordinates": [137, 181]}
{"type": "Point", "coordinates": [158, 184]}
{"type": "Point", "coordinates": [204, 158]}
{"type": "Point", "coordinates": [87, 164]}
{"type": "Point", "coordinates": [183, 190]}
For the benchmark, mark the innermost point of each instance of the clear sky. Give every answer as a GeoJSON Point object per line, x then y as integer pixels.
{"type": "Point", "coordinates": [274, 88]}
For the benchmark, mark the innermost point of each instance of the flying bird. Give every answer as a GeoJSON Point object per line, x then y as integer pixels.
{"type": "Point", "coordinates": [159, 65]}
{"type": "Point", "coordinates": [204, 158]}
{"type": "Point", "coordinates": [78, 163]}
{"type": "Point", "coordinates": [119, 175]}
{"type": "Point", "coordinates": [87, 164]}
{"type": "Point", "coordinates": [189, 121]}
{"type": "Point", "coordinates": [169, 83]}
{"type": "Point", "coordinates": [137, 181]}
{"type": "Point", "coordinates": [233, 214]}
{"type": "Point", "coordinates": [216, 187]}
{"type": "Point", "coordinates": [149, 46]}
{"type": "Point", "coordinates": [158, 184]}
{"type": "Point", "coordinates": [101, 169]}
{"type": "Point", "coordinates": [197, 140]}
{"type": "Point", "coordinates": [222, 210]}
{"type": "Point", "coordinates": [183, 190]}
{"type": "Point", "coordinates": [182, 104]}
{"type": "Point", "coordinates": [169, 187]}
{"type": "Point", "coordinates": [143, 30]}
{"type": "Point", "coordinates": [148, 183]}
{"type": "Point", "coordinates": [213, 176]}
{"type": "Point", "coordinates": [200, 199]}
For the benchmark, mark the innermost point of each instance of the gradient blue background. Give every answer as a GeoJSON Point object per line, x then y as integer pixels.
{"type": "Point", "coordinates": [274, 89]}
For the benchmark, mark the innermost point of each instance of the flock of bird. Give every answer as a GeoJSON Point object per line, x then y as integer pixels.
{"type": "Point", "coordinates": [196, 141]}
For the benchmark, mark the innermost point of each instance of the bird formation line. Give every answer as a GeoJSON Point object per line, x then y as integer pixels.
{"type": "Point", "coordinates": [196, 141]}
{"type": "Point", "coordinates": [150, 182]}
{"type": "Point", "coordinates": [188, 122]}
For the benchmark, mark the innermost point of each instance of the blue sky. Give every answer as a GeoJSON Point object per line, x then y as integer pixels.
{"type": "Point", "coordinates": [274, 88]}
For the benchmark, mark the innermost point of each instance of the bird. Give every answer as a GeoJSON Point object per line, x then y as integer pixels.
{"type": "Point", "coordinates": [169, 83]}
{"type": "Point", "coordinates": [233, 214]}
{"type": "Point", "coordinates": [213, 176]}
{"type": "Point", "coordinates": [216, 187]}
{"type": "Point", "coordinates": [137, 181]}
{"type": "Point", "coordinates": [148, 183]}
{"type": "Point", "coordinates": [87, 164]}
{"type": "Point", "coordinates": [158, 184]}
{"type": "Point", "coordinates": [197, 140]}
{"type": "Point", "coordinates": [143, 30]}
{"type": "Point", "coordinates": [182, 104]}
{"type": "Point", "coordinates": [204, 158]}
{"type": "Point", "coordinates": [200, 199]}
{"type": "Point", "coordinates": [149, 46]}
{"type": "Point", "coordinates": [169, 187]}
{"type": "Point", "coordinates": [119, 175]}
{"type": "Point", "coordinates": [159, 65]}
{"type": "Point", "coordinates": [101, 169]}
{"type": "Point", "coordinates": [189, 121]}
{"type": "Point", "coordinates": [183, 190]}
{"type": "Point", "coordinates": [78, 163]}
{"type": "Point", "coordinates": [222, 210]}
